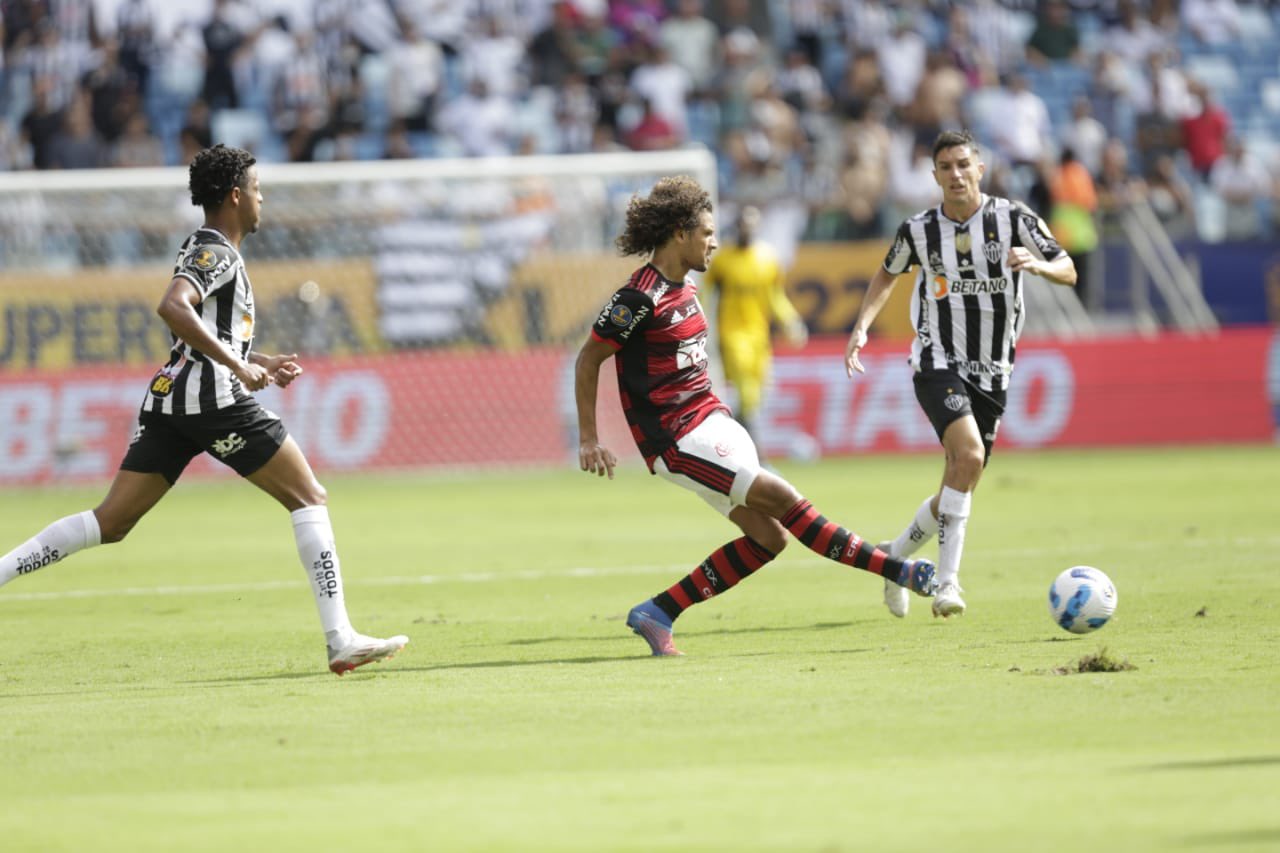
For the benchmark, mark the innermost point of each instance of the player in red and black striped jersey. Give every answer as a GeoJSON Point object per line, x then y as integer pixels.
{"type": "Point", "coordinates": [657, 333]}
{"type": "Point", "coordinates": [666, 391]}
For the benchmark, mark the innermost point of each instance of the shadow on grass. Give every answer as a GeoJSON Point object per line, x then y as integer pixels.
{"type": "Point", "coordinates": [625, 634]}
{"type": "Point", "coordinates": [1215, 763]}
{"type": "Point", "coordinates": [1252, 838]}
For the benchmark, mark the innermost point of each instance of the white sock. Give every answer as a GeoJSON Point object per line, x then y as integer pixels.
{"type": "Point", "coordinates": [314, 535]}
{"type": "Point", "coordinates": [953, 516]}
{"type": "Point", "coordinates": [56, 542]}
{"type": "Point", "coordinates": [921, 529]}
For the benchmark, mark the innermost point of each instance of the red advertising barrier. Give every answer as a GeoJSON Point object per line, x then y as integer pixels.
{"type": "Point", "coordinates": [379, 412]}
{"type": "Point", "coordinates": [491, 408]}
{"type": "Point", "coordinates": [1162, 390]}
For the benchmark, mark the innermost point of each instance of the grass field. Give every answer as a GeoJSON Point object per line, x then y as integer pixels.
{"type": "Point", "coordinates": [170, 693]}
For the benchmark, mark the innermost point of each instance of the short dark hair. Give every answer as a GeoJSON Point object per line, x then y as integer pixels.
{"type": "Point", "coordinates": [954, 139]}
{"type": "Point", "coordinates": [215, 172]}
{"type": "Point", "coordinates": [673, 205]}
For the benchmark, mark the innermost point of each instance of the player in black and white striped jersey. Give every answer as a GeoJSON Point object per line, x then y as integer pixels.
{"type": "Point", "coordinates": [971, 252]}
{"type": "Point", "coordinates": [200, 402]}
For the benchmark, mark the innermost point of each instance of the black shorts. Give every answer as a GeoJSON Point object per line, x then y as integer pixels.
{"type": "Point", "coordinates": [946, 397]}
{"type": "Point", "coordinates": [243, 436]}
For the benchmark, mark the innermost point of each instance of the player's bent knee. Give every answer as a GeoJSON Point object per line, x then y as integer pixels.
{"type": "Point", "coordinates": [774, 540]}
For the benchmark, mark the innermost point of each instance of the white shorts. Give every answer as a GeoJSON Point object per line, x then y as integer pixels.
{"type": "Point", "coordinates": [717, 461]}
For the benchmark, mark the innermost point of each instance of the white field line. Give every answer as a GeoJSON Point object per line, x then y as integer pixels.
{"type": "Point", "coordinates": [1084, 553]}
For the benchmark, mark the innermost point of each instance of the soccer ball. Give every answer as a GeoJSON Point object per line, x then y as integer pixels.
{"type": "Point", "coordinates": [1082, 599]}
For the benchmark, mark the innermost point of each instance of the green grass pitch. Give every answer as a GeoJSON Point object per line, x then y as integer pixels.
{"type": "Point", "coordinates": [170, 693]}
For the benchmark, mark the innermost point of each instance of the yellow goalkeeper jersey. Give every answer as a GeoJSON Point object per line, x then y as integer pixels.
{"type": "Point", "coordinates": [748, 284]}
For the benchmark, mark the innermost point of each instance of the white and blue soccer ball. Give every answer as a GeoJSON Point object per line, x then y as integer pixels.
{"type": "Point", "coordinates": [1082, 599]}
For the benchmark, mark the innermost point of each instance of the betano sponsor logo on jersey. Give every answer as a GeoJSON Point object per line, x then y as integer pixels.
{"type": "Point", "coordinates": [944, 287]}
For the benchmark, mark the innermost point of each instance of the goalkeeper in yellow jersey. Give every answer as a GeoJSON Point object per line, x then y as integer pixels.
{"type": "Point", "coordinates": [747, 281]}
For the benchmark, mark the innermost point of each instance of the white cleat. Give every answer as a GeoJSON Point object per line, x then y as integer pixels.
{"type": "Point", "coordinates": [947, 601]}
{"type": "Point", "coordinates": [362, 650]}
{"type": "Point", "coordinates": [896, 597]}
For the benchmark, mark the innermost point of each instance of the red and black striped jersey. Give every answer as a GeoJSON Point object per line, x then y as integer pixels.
{"type": "Point", "coordinates": [660, 334]}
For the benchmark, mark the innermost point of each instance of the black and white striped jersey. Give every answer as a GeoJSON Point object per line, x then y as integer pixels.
{"type": "Point", "coordinates": [190, 382]}
{"type": "Point", "coordinates": [967, 307]}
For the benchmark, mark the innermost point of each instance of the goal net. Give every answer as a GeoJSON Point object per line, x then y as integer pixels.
{"type": "Point", "coordinates": [436, 305]}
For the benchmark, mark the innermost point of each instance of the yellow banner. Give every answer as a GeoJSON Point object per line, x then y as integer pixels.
{"type": "Point", "coordinates": [107, 316]}
{"type": "Point", "coordinates": [554, 297]}
{"type": "Point", "coordinates": [828, 280]}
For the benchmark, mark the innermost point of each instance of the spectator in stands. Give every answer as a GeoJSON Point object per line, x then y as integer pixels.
{"type": "Point", "coordinates": [196, 133]}
{"type": "Point", "coordinates": [1132, 38]}
{"type": "Point", "coordinates": [1073, 202]}
{"type": "Point", "coordinates": [223, 40]}
{"type": "Point", "coordinates": [998, 31]}
{"type": "Point", "coordinates": [800, 83]}
{"type": "Point", "coordinates": [865, 173]}
{"type": "Point", "coordinates": [1117, 186]}
{"type": "Point", "coordinates": [478, 122]}
{"type": "Point", "coordinates": [1055, 38]}
{"type": "Point", "coordinates": [1215, 22]}
{"type": "Point", "coordinates": [1109, 93]}
{"type": "Point", "coordinates": [1085, 135]}
{"type": "Point", "coordinates": [576, 113]}
{"type": "Point", "coordinates": [415, 75]}
{"type": "Point", "coordinates": [810, 20]}
{"type": "Point", "coordinates": [1171, 198]}
{"type": "Point", "coordinates": [653, 132]}
{"type": "Point", "coordinates": [733, 84]}
{"type": "Point", "coordinates": [596, 47]}
{"type": "Point", "coordinates": [77, 145]}
{"type": "Point", "coordinates": [860, 84]}
{"type": "Point", "coordinates": [136, 146]}
{"type": "Point", "coordinates": [637, 21]}
{"type": "Point", "coordinates": [112, 93]}
{"type": "Point", "coordinates": [901, 59]}
{"type": "Point", "coordinates": [744, 16]}
{"type": "Point", "coordinates": [664, 85]}
{"type": "Point", "coordinates": [1156, 134]}
{"type": "Point", "coordinates": [1023, 133]}
{"type": "Point", "coordinates": [936, 106]}
{"type": "Point", "coordinates": [866, 24]}
{"type": "Point", "coordinates": [553, 51]}
{"type": "Point", "coordinates": [496, 57]}
{"type": "Point", "coordinates": [693, 43]}
{"type": "Point", "coordinates": [41, 123]}
{"type": "Point", "coordinates": [1205, 132]}
{"type": "Point", "coordinates": [59, 61]}
{"type": "Point", "coordinates": [911, 182]}
{"type": "Point", "coordinates": [135, 32]}
{"type": "Point", "coordinates": [967, 55]}
{"type": "Point", "coordinates": [1242, 183]}
{"type": "Point", "coordinates": [301, 87]}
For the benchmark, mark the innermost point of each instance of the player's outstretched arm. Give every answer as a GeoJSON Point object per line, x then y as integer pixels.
{"type": "Point", "coordinates": [874, 301]}
{"type": "Point", "coordinates": [592, 456]}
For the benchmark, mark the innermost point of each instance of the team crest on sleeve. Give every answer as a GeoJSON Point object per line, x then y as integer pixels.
{"type": "Point", "coordinates": [620, 315]}
{"type": "Point", "coordinates": [204, 260]}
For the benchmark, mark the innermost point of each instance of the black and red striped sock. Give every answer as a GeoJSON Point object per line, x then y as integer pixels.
{"type": "Point", "coordinates": [835, 543]}
{"type": "Point", "coordinates": [719, 572]}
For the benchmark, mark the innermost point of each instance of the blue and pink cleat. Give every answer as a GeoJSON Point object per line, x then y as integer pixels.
{"type": "Point", "coordinates": [648, 620]}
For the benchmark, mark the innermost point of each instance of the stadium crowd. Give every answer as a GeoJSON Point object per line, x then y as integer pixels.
{"type": "Point", "coordinates": [822, 110]}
